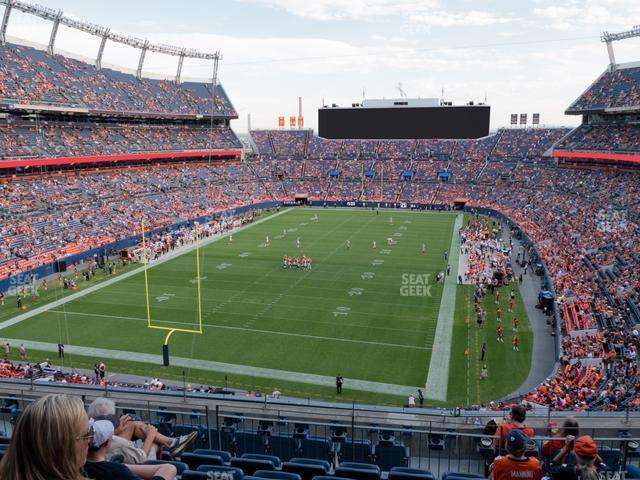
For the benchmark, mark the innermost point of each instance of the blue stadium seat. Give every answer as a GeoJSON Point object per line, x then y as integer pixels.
{"type": "Point", "coordinates": [306, 470]}
{"type": "Point", "coordinates": [194, 460]}
{"type": "Point", "coordinates": [260, 456]}
{"type": "Point", "coordinates": [460, 476]}
{"type": "Point", "coordinates": [358, 471]}
{"type": "Point", "coordinates": [250, 465]}
{"type": "Point", "coordinates": [405, 473]}
{"type": "Point", "coordinates": [281, 445]}
{"type": "Point", "coordinates": [276, 475]}
{"type": "Point", "coordinates": [314, 447]}
{"type": "Point", "coordinates": [226, 456]}
{"type": "Point", "coordinates": [355, 451]}
{"type": "Point", "coordinates": [394, 455]}
{"type": "Point", "coordinates": [237, 473]}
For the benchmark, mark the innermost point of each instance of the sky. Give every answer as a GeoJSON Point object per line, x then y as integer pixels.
{"type": "Point", "coordinates": [521, 56]}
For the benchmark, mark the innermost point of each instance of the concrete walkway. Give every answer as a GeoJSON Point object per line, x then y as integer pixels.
{"type": "Point", "coordinates": [438, 376]}
{"type": "Point", "coordinates": [543, 353]}
{"type": "Point", "coordinates": [227, 368]}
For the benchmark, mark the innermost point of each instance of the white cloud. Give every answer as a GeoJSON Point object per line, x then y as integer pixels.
{"type": "Point", "coordinates": [473, 18]}
{"type": "Point", "coordinates": [604, 14]}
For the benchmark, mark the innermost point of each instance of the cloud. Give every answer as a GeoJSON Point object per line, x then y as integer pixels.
{"type": "Point", "coordinates": [348, 9]}
{"type": "Point", "coordinates": [572, 14]}
{"type": "Point", "coordinates": [473, 18]}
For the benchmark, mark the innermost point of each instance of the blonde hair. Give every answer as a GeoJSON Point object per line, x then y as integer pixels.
{"type": "Point", "coordinates": [586, 468]}
{"type": "Point", "coordinates": [43, 444]}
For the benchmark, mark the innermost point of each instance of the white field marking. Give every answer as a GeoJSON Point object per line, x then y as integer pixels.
{"type": "Point", "coordinates": [407, 221]}
{"type": "Point", "coordinates": [385, 251]}
{"type": "Point", "coordinates": [170, 256]}
{"type": "Point", "coordinates": [289, 230]}
{"type": "Point", "coordinates": [244, 254]}
{"type": "Point", "coordinates": [262, 245]}
{"type": "Point", "coordinates": [367, 275]}
{"type": "Point", "coordinates": [278, 237]}
{"type": "Point", "coordinates": [223, 266]}
{"type": "Point", "coordinates": [377, 262]}
{"type": "Point", "coordinates": [165, 296]}
{"type": "Point", "coordinates": [402, 227]}
{"type": "Point", "coordinates": [267, 332]}
{"type": "Point", "coordinates": [356, 291]}
{"type": "Point", "coordinates": [397, 234]}
{"type": "Point", "coordinates": [304, 224]}
{"type": "Point", "coordinates": [227, 368]}
{"type": "Point", "coordinates": [341, 311]}
{"type": "Point", "coordinates": [438, 376]}
{"type": "Point", "coordinates": [195, 280]}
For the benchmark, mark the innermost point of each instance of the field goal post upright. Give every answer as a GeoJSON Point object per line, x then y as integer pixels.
{"type": "Point", "coordinates": [171, 330]}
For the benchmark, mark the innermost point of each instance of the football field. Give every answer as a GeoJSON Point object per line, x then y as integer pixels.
{"type": "Point", "coordinates": [370, 314]}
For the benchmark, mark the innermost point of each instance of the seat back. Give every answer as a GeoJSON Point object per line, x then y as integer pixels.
{"type": "Point", "coordinates": [405, 473]}
{"type": "Point", "coordinates": [260, 456]}
{"type": "Point", "coordinates": [251, 465]}
{"type": "Point", "coordinates": [276, 475]}
{"type": "Point", "coordinates": [235, 472]}
{"type": "Point", "coordinates": [226, 456]}
{"type": "Point", "coordinates": [305, 470]}
{"type": "Point", "coordinates": [194, 460]}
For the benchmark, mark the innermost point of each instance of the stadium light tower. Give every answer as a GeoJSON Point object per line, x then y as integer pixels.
{"type": "Point", "coordinates": [105, 34]}
{"type": "Point", "coordinates": [5, 22]}
{"type": "Point", "coordinates": [609, 38]}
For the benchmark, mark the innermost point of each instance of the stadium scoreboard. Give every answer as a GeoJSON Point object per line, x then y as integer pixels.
{"type": "Point", "coordinates": [403, 119]}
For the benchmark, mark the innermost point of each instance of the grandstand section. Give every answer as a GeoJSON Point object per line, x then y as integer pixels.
{"type": "Point", "coordinates": [608, 136]}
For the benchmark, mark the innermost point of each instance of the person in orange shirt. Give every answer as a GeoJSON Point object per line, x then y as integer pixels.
{"type": "Point", "coordinates": [499, 314]}
{"type": "Point", "coordinates": [499, 332]}
{"type": "Point", "coordinates": [516, 324]}
{"type": "Point", "coordinates": [515, 465]}
{"type": "Point", "coordinates": [516, 342]}
{"type": "Point", "coordinates": [516, 421]}
{"type": "Point", "coordinates": [551, 447]}
{"type": "Point", "coordinates": [497, 296]}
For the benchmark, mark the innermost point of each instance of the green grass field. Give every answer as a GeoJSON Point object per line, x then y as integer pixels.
{"type": "Point", "coordinates": [346, 315]}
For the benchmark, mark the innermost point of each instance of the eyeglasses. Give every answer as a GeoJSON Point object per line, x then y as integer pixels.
{"type": "Point", "coordinates": [88, 436]}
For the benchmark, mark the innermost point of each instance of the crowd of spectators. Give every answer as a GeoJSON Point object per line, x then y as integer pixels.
{"type": "Point", "coordinates": [614, 89]}
{"type": "Point", "coordinates": [55, 140]}
{"type": "Point", "coordinates": [603, 138]}
{"type": "Point", "coordinates": [31, 76]}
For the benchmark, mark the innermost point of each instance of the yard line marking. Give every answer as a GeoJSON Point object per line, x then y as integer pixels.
{"type": "Point", "coordinates": [438, 376]}
{"type": "Point", "coordinates": [123, 276]}
{"type": "Point", "coordinates": [227, 368]}
{"type": "Point", "coordinates": [227, 327]}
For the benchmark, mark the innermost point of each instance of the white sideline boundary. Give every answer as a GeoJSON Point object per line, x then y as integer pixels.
{"type": "Point", "coordinates": [227, 368]}
{"type": "Point", "coordinates": [438, 377]}
{"type": "Point", "coordinates": [176, 253]}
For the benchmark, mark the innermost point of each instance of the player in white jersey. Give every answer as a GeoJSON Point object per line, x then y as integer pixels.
{"type": "Point", "coordinates": [230, 238]}
{"type": "Point", "coordinates": [424, 249]}
{"type": "Point", "coordinates": [298, 242]}
{"type": "Point", "coordinates": [390, 220]}
{"type": "Point", "coordinates": [267, 240]}
{"type": "Point", "coordinates": [348, 244]}
{"type": "Point", "coordinates": [374, 245]}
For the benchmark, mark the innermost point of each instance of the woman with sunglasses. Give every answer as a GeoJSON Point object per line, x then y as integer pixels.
{"type": "Point", "coordinates": [50, 440]}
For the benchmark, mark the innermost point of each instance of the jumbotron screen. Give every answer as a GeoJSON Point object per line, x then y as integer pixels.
{"type": "Point", "coordinates": [404, 123]}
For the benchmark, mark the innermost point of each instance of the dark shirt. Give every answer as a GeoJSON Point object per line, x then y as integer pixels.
{"type": "Point", "coordinates": [108, 471]}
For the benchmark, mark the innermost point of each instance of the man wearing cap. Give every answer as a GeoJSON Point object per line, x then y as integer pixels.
{"type": "Point", "coordinates": [98, 468]}
{"type": "Point", "coordinates": [516, 465]}
{"type": "Point", "coordinates": [127, 431]}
